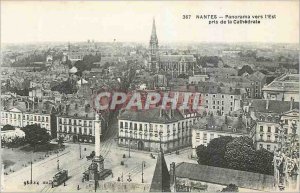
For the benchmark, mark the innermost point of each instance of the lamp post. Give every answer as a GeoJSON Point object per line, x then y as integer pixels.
{"type": "Point", "coordinates": [57, 162]}
{"type": "Point", "coordinates": [31, 172]}
{"type": "Point", "coordinates": [143, 165]}
{"type": "Point", "coordinates": [79, 150]}
{"type": "Point", "coordinates": [129, 143]}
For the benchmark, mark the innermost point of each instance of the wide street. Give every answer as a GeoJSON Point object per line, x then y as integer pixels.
{"type": "Point", "coordinates": [70, 160]}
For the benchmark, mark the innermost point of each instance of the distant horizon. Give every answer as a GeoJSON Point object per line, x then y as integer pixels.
{"type": "Point", "coordinates": [140, 42]}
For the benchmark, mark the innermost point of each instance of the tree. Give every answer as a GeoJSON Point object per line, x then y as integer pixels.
{"type": "Point", "coordinates": [263, 162]}
{"type": "Point", "coordinates": [35, 135]}
{"type": "Point", "coordinates": [216, 150]}
{"type": "Point", "coordinates": [240, 154]}
{"type": "Point", "coordinates": [213, 154]}
{"type": "Point", "coordinates": [7, 127]}
{"type": "Point", "coordinates": [202, 154]}
{"type": "Point", "coordinates": [244, 69]}
{"type": "Point", "coordinates": [230, 188]}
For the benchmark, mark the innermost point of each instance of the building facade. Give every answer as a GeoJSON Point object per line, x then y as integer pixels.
{"type": "Point", "coordinates": [212, 126]}
{"type": "Point", "coordinates": [271, 116]}
{"type": "Point", "coordinates": [220, 101]}
{"type": "Point", "coordinates": [144, 130]}
{"type": "Point", "coordinates": [18, 116]}
{"type": "Point", "coordinates": [77, 128]}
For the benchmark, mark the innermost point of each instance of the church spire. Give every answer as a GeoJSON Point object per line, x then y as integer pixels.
{"type": "Point", "coordinates": [153, 34]}
{"type": "Point", "coordinates": [153, 48]}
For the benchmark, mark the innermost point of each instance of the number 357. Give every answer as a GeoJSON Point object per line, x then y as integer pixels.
{"type": "Point", "coordinates": [186, 16]}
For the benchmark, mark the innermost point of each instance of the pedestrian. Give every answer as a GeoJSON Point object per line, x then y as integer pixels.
{"type": "Point", "coordinates": [77, 187]}
{"type": "Point", "coordinates": [38, 183]}
{"type": "Point", "coordinates": [27, 182]}
{"type": "Point", "coordinates": [24, 183]}
{"type": "Point", "coordinates": [64, 183]}
{"type": "Point", "coordinates": [33, 182]}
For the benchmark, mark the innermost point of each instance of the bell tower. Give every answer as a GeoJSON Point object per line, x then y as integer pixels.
{"type": "Point", "coordinates": [154, 57]}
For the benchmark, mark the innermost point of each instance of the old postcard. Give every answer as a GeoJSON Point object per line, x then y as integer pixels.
{"type": "Point", "coordinates": [149, 96]}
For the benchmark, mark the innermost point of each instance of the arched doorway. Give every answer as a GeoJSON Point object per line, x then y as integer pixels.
{"type": "Point", "coordinates": [140, 145]}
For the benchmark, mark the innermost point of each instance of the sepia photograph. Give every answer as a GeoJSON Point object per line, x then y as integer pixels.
{"type": "Point", "coordinates": [149, 96]}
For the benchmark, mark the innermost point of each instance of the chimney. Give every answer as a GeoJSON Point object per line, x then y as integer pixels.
{"type": "Point", "coordinates": [291, 103]}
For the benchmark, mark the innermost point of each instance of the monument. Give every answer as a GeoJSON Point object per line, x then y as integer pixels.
{"type": "Point", "coordinates": [96, 170]}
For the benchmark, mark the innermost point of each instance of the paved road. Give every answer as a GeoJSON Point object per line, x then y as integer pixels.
{"type": "Point", "coordinates": [69, 159]}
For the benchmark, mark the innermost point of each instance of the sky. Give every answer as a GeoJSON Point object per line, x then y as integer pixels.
{"type": "Point", "coordinates": [131, 21]}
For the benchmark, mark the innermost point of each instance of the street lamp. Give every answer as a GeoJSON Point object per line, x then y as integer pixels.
{"type": "Point", "coordinates": [129, 143]}
{"type": "Point", "coordinates": [143, 165]}
{"type": "Point", "coordinates": [79, 150]}
{"type": "Point", "coordinates": [57, 162]}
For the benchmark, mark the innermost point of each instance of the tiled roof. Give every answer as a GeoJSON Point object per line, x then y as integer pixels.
{"type": "Point", "coordinates": [176, 58]}
{"type": "Point", "coordinates": [155, 115]}
{"type": "Point", "coordinates": [288, 82]}
{"type": "Point", "coordinates": [224, 176]}
{"type": "Point", "coordinates": [217, 123]}
{"type": "Point", "coordinates": [277, 107]}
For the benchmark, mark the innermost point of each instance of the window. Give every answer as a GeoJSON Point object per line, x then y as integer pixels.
{"type": "Point", "coordinates": [268, 147]}
{"type": "Point", "coordinates": [197, 135]}
{"type": "Point", "coordinates": [204, 136]}
{"type": "Point", "coordinates": [121, 124]}
{"type": "Point", "coordinates": [126, 125]}
{"type": "Point", "coordinates": [261, 146]}
{"type": "Point", "coordinates": [268, 137]}
{"type": "Point", "coordinates": [214, 96]}
{"type": "Point", "coordinates": [211, 136]}
{"type": "Point", "coordinates": [276, 130]}
{"type": "Point", "coordinates": [269, 129]}
{"type": "Point", "coordinates": [222, 96]}
{"type": "Point", "coordinates": [231, 103]}
{"type": "Point", "coordinates": [261, 128]}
